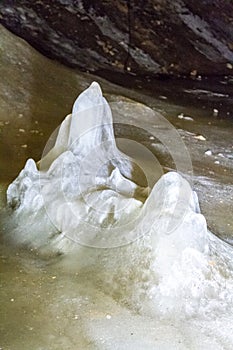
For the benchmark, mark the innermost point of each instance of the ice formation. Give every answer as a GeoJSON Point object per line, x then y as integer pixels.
{"type": "Point", "coordinates": [86, 191]}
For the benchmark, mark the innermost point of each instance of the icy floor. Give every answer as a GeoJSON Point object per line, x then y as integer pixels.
{"type": "Point", "coordinates": [47, 305]}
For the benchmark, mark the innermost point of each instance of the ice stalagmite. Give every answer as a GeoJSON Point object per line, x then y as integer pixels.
{"type": "Point", "coordinates": [85, 189]}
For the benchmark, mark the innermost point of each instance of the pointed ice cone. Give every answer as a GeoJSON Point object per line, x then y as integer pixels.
{"type": "Point", "coordinates": [89, 127]}
{"type": "Point", "coordinates": [91, 122]}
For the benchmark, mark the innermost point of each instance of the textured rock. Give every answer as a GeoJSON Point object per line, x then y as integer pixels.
{"type": "Point", "coordinates": [157, 36]}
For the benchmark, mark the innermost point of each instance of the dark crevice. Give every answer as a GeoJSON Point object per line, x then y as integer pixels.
{"type": "Point", "coordinates": [126, 64]}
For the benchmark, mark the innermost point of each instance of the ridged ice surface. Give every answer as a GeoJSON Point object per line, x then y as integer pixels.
{"type": "Point", "coordinates": [85, 193]}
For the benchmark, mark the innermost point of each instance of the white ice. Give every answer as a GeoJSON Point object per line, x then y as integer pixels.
{"type": "Point", "coordinates": [85, 193]}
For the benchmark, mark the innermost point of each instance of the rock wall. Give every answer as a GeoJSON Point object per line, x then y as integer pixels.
{"type": "Point", "coordinates": [180, 37]}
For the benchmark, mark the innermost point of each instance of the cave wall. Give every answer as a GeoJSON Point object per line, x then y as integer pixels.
{"type": "Point", "coordinates": [181, 37]}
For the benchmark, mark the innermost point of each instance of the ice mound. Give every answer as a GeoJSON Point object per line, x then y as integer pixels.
{"type": "Point", "coordinates": [84, 190]}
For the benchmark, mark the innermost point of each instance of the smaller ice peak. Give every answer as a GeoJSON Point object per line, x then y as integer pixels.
{"type": "Point", "coordinates": [60, 146]}
{"type": "Point", "coordinates": [30, 166]}
{"type": "Point", "coordinates": [23, 184]}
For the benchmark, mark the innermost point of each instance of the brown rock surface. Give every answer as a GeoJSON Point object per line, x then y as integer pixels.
{"type": "Point", "coordinates": [180, 37]}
